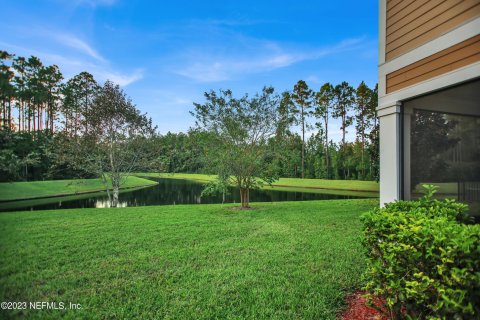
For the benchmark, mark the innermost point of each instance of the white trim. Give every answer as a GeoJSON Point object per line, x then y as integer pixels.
{"type": "Point", "coordinates": [390, 151]}
{"type": "Point", "coordinates": [382, 30]}
{"type": "Point", "coordinates": [395, 108]}
{"type": "Point", "coordinates": [466, 73]}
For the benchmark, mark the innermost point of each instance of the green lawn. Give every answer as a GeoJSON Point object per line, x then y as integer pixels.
{"type": "Point", "coordinates": [284, 260]}
{"type": "Point", "coordinates": [39, 189]}
{"type": "Point", "coordinates": [287, 184]}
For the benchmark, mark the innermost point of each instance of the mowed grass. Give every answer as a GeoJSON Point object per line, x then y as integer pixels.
{"type": "Point", "coordinates": [38, 189]}
{"type": "Point", "coordinates": [284, 260]}
{"type": "Point", "coordinates": [290, 184]}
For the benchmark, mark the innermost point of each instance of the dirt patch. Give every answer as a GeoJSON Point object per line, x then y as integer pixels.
{"type": "Point", "coordinates": [240, 208]}
{"type": "Point", "coordinates": [358, 308]}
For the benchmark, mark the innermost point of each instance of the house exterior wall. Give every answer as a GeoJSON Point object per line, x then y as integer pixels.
{"type": "Point", "coordinates": [424, 46]}
{"type": "Point", "coordinates": [411, 23]}
{"type": "Point", "coordinates": [457, 56]}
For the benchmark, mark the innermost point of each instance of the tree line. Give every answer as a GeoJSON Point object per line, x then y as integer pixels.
{"type": "Point", "coordinates": [341, 102]}
{"type": "Point", "coordinates": [41, 100]}
{"type": "Point", "coordinates": [297, 154]}
{"type": "Point", "coordinates": [75, 129]}
{"type": "Point", "coordinates": [45, 120]}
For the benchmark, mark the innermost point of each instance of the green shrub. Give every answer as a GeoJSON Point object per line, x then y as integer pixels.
{"type": "Point", "coordinates": [423, 259]}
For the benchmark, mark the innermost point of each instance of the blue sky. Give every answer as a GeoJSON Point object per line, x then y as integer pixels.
{"type": "Point", "coordinates": [167, 53]}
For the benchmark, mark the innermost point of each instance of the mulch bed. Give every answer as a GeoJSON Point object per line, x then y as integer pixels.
{"type": "Point", "coordinates": [358, 308]}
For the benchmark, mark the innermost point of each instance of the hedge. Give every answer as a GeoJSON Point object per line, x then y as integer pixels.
{"type": "Point", "coordinates": [423, 259]}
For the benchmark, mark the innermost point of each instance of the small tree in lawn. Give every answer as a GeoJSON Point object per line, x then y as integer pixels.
{"type": "Point", "coordinates": [238, 150]}
{"type": "Point", "coordinates": [112, 145]}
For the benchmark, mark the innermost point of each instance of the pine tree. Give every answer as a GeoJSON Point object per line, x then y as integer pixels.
{"type": "Point", "coordinates": [7, 90]}
{"type": "Point", "coordinates": [344, 99]}
{"type": "Point", "coordinates": [363, 95]}
{"type": "Point", "coordinates": [302, 96]}
{"type": "Point", "coordinates": [323, 101]}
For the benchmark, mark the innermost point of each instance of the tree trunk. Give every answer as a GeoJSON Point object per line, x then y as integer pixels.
{"type": "Point", "coordinates": [39, 117]}
{"type": "Point", "coordinates": [76, 123]}
{"type": "Point", "coordinates": [107, 189]}
{"type": "Point", "coordinates": [4, 116]}
{"type": "Point", "coordinates": [29, 119]}
{"type": "Point", "coordinates": [19, 123]}
{"type": "Point", "coordinates": [66, 123]}
{"type": "Point", "coordinates": [23, 115]}
{"type": "Point", "coordinates": [344, 130]}
{"type": "Point", "coordinates": [46, 120]}
{"type": "Point", "coordinates": [9, 113]}
{"type": "Point", "coordinates": [326, 147]}
{"type": "Point", "coordinates": [115, 196]}
{"type": "Point", "coordinates": [363, 145]}
{"type": "Point", "coordinates": [51, 124]}
{"type": "Point", "coordinates": [34, 121]}
{"type": "Point", "coordinates": [303, 144]}
{"type": "Point", "coordinates": [244, 195]}
{"type": "Point", "coordinates": [86, 109]}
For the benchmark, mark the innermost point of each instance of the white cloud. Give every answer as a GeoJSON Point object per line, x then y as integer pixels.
{"type": "Point", "coordinates": [121, 79]}
{"type": "Point", "coordinates": [265, 56]}
{"type": "Point", "coordinates": [70, 66]}
{"type": "Point", "coordinates": [203, 72]}
{"type": "Point", "coordinates": [78, 44]}
{"type": "Point", "coordinates": [60, 40]}
{"type": "Point", "coordinates": [313, 79]}
{"type": "Point", "coordinates": [94, 3]}
{"type": "Point", "coordinates": [224, 69]}
{"type": "Point", "coordinates": [173, 97]}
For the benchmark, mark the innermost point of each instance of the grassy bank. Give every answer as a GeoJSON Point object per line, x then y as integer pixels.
{"type": "Point", "coordinates": [26, 204]}
{"type": "Point", "coordinates": [283, 260]}
{"type": "Point", "coordinates": [39, 189]}
{"type": "Point", "coordinates": [286, 184]}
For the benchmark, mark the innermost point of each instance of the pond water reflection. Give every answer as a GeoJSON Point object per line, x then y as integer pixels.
{"type": "Point", "coordinates": [166, 192]}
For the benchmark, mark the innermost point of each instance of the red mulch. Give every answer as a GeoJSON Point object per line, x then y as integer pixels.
{"type": "Point", "coordinates": [358, 308]}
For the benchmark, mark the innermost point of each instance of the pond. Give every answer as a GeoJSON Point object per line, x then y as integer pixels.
{"type": "Point", "coordinates": [166, 192]}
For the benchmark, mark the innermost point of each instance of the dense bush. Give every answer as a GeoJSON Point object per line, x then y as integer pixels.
{"type": "Point", "coordinates": [423, 259]}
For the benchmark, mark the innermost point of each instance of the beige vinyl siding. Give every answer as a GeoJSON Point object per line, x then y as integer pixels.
{"type": "Point", "coordinates": [413, 23]}
{"type": "Point", "coordinates": [457, 56]}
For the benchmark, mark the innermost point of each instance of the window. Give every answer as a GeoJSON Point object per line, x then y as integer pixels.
{"type": "Point", "coordinates": [442, 145]}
